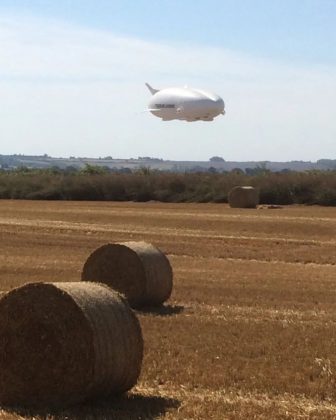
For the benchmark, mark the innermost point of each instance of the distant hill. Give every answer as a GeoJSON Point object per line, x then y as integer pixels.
{"type": "Point", "coordinates": [215, 164]}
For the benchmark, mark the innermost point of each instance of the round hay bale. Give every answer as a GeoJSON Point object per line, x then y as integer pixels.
{"type": "Point", "coordinates": [244, 197]}
{"type": "Point", "coordinates": [63, 343]}
{"type": "Point", "coordinates": [139, 270]}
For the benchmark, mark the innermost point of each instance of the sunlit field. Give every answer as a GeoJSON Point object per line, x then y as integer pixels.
{"type": "Point", "coordinates": [250, 329]}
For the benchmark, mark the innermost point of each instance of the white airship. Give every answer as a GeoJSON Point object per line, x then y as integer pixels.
{"type": "Point", "coordinates": [185, 104]}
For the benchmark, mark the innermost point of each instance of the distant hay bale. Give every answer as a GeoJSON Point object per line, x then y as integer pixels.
{"type": "Point", "coordinates": [139, 270]}
{"type": "Point", "coordinates": [244, 197]}
{"type": "Point", "coordinates": [63, 343]}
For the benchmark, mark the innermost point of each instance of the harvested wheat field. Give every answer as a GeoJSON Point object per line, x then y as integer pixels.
{"type": "Point", "coordinates": [250, 329]}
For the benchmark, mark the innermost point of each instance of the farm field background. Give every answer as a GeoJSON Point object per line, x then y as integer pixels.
{"type": "Point", "coordinates": [250, 329]}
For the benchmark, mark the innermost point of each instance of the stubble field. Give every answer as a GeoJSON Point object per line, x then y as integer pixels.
{"type": "Point", "coordinates": [250, 329]}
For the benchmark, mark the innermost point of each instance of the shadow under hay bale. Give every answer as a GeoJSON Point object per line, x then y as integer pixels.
{"type": "Point", "coordinates": [139, 270]}
{"type": "Point", "coordinates": [270, 207]}
{"type": "Point", "coordinates": [124, 407]}
{"type": "Point", "coordinates": [162, 310]}
{"type": "Point", "coordinates": [243, 197]}
{"type": "Point", "coordinates": [64, 343]}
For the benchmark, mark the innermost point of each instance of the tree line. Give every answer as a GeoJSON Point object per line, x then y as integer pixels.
{"type": "Point", "coordinates": [144, 184]}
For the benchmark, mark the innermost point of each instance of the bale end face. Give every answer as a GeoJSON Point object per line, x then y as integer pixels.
{"type": "Point", "coordinates": [62, 343]}
{"type": "Point", "coordinates": [138, 270]}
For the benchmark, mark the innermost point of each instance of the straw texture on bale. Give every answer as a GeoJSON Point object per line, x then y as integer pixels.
{"type": "Point", "coordinates": [139, 270]}
{"type": "Point", "coordinates": [243, 197]}
{"type": "Point", "coordinates": [63, 343]}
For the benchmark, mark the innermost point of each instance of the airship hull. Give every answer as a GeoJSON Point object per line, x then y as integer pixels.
{"type": "Point", "coordinates": [185, 104]}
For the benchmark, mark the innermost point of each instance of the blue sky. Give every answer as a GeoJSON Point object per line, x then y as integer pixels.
{"type": "Point", "coordinates": [296, 29]}
{"type": "Point", "coordinates": [72, 74]}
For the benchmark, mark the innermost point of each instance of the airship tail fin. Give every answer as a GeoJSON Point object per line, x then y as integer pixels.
{"type": "Point", "coordinates": [152, 90]}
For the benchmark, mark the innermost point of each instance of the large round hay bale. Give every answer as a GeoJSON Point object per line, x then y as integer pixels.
{"type": "Point", "coordinates": [244, 197]}
{"type": "Point", "coordinates": [63, 343]}
{"type": "Point", "coordinates": [139, 270]}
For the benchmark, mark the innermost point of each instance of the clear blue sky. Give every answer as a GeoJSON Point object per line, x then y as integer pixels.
{"type": "Point", "coordinates": [253, 53]}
